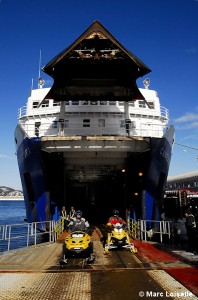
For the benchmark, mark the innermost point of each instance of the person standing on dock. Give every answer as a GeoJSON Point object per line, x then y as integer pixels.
{"type": "Point", "coordinates": [72, 213]}
{"type": "Point", "coordinates": [191, 231]}
{"type": "Point", "coordinates": [64, 218]}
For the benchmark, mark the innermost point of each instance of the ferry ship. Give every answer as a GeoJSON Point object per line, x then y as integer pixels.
{"type": "Point", "coordinates": [94, 140]}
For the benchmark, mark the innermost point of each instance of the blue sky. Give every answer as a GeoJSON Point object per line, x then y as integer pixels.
{"type": "Point", "coordinates": [162, 33]}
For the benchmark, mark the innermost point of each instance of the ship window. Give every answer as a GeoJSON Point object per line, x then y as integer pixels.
{"type": "Point", "coordinates": [55, 124]}
{"type": "Point", "coordinates": [151, 104]}
{"type": "Point", "coordinates": [56, 103]}
{"type": "Point", "coordinates": [133, 124]}
{"type": "Point", "coordinates": [66, 124]}
{"type": "Point", "coordinates": [142, 104]}
{"type": "Point", "coordinates": [121, 103]}
{"type": "Point", "coordinates": [112, 102]}
{"type": "Point", "coordinates": [37, 125]}
{"type": "Point", "coordinates": [86, 123]}
{"type": "Point", "coordinates": [122, 123]}
{"type": "Point", "coordinates": [35, 104]}
{"type": "Point", "coordinates": [75, 102]}
{"type": "Point", "coordinates": [94, 102]}
{"type": "Point", "coordinates": [132, 104]}
{"type": "Point", "coordinates": [103, 102]}
{"type": "Point", "coordinates": [101, 122]}
{"type": "Point", "coordinates": [85, 102]}
{"type": "Point", "coordinates": [45, 104]}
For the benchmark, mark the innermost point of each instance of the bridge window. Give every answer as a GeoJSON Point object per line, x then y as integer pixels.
{"type": "Point", "coordinates": [35, 104]}
{"type": "Point", "coordinates": [86, 123]}
{"type": "Point", "coordinates": [45, 104]}
{"type": "Point", "coordinates": [132, 103]}
{"type": "Point", "coordinates": [151, 104]}
{"type": "Point", "coordinates": [56, 103]}
{"type": "Point", "coordinates": [142, 104]}
{"type": "Point", "coordinates": [66, 124]}
{"type": "Point", "coordinates": [55, 124]}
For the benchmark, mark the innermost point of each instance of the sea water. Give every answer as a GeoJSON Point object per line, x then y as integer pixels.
{"type": "Point", "coordinates": [12, 212]}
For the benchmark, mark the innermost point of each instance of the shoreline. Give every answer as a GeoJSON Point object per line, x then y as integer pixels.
{"type": "Point", "coordinates": [11, 198]}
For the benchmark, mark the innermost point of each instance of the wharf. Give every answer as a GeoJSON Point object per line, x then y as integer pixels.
{"type": "Point", "coordinates": [34, 273]}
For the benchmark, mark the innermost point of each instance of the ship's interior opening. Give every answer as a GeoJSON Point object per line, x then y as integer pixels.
{"type": "Point", "coordinates": [94, 186]}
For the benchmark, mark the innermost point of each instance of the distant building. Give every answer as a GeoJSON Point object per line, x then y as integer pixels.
{"type": "Point", "coordinates": [183, 181]}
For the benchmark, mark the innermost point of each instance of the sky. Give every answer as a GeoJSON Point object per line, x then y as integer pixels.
{"type": "Point", "coordinates": [162, 33]}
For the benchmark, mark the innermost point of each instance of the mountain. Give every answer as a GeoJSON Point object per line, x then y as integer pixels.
{"type": "Point", "coordinates": [9, 192]}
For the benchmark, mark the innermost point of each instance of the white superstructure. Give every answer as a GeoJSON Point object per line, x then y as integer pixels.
{"type": "Point", "coordinates": [145, 118]}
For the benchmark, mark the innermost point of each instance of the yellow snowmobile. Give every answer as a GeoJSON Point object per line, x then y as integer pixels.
{"type": "Point", "coordinates": [77, 244]}
{"type": "Point", "coordinates": [118, 238]}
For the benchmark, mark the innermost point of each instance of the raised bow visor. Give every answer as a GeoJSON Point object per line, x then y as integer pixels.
{"type": "Point", "coordinates": [96, 66]}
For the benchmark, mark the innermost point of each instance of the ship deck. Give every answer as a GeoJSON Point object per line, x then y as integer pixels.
{"type": "Point", "coordinates": [35, 273]}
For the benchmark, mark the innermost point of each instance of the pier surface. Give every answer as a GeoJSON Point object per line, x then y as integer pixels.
{"type": "Point", "coordinates": [156, 271]}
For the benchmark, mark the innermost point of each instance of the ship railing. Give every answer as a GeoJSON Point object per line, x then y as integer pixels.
{"type": "Point", "coordinates": [77, 128]}
{"type": "Point", "coordinates": [147, 229]}
{"type": "Point", "coordinates": [14, 236]}
{"type": "Point", "coordinates": [116, 107]}
{"type": "Point", "coordinates": [22, 111]}
{"type": "Point", "coordinates": [59, 228]}
{"type": "Point", "coordinates": [164, 112]}
{"type": "Point", "coordinates": [133, 228]}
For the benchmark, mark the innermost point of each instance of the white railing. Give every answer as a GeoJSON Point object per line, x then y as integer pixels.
{"type": "Point", "coordinates": [14, 236]}
{"type": "Point", "coordinates": [147, 229]}
{"type": "Point", "coordinates": [22, 112]}
{"type": "Point", "coordinates": [159, 112]}
{"type": "Point", "coordinates": [155, 227]}
{"type": "Point", "coordinates": [77, 128]}
{"type": "Point", "coordinates": [164, 112]}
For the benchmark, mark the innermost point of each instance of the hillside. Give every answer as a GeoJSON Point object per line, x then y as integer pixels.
{"type": "Point", "coordinates": [9, 192]}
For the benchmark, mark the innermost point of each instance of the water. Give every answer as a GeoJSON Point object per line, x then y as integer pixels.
{"type": "Point", "coordinates": [12, 212]}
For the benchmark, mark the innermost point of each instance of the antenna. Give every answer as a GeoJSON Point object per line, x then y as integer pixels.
{"type": "Point", "coordinates": [40, 80]}
{"type": "Point", "coordinates": [39, 73]}
{"type": "Point", "coordinates": [146, 83]}
{"type": "Point", "coordinates": [32, 84]}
